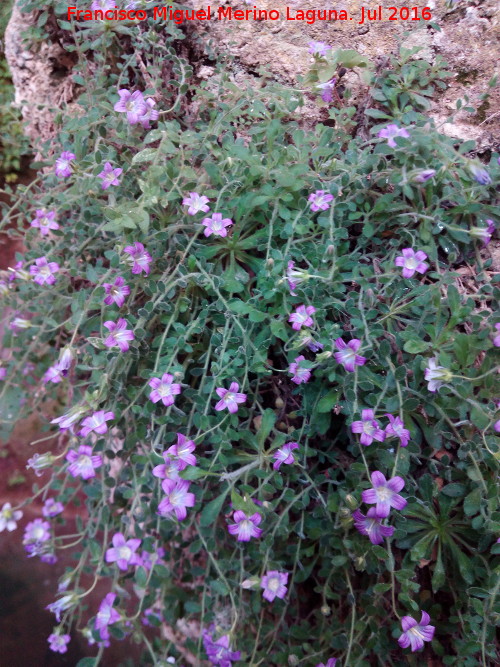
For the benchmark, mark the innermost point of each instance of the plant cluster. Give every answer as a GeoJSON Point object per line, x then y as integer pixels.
{"type": "Point", "coordinates": [274, 390]}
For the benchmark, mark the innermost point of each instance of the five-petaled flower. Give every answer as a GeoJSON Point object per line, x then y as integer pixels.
{"type": "Point", "coordinates": [164, 389]}
{"type": "Point", "coordinates": [484, 234]}
{"type": "Point", "coordinates": [82, 462]}
{"type": "Point", "coordinates": [45, 221]}
{"type": "Point", "coordinates": [150, 114]}
{"type": "Point", "coordinates": [96, 422]}
{"type": "Point", "coordinates": [68, 420]}
{"type": "Point", "coordinates": [384, 494]}
{"type": "Point", "coordinates": [133, 104]}
{"type": "Point", "coordinates": [302, 317]}
{"type": "Point", "coordinates": [347, 354]}
{"type": "Point", "coordinates": [123, 552]}
{"type": "Point", "coordinates": [411, 261]}
{"type": "Point", "coordinates": [43, 271]}
{"type": "Point", "coordinates": [245, 527]}
{"type": "Point", "coordinates": [320, 200]}
{"type": "Point", "coordinates": [9, 518]}
{"type": "Point", "coordinates": [52, 508]}
{"type": "Point", "coordinates": [63, 166]}
{"type": "Point", "coordinates": [58, 642]}
{"type": "Point", "coordinates": [181, 452]}
{"type": "Point", "coordinates": [327, 89]}
{"type": "Point", "coordinates": [216, 225]}
{"type": "Point", "coordinates": [415, 634]}
{"type": "Point", "coordinates": [396, 429]}
{"type": "Point", "coordinates": [139, 258]}
{"type": "Point", "coordinates": [196, 203]}
{"type": "Point", "coordinates": [219, 652]}
{"type": "Point", "coordinates": [106, 615]}
{"type": "Point", "coordinates": [177, 498]}
{"type": "Point", "coordinates": [36, 533]}
{"type": "Point", "coordinates": [436, 375]}
{"type": "Point", "coordinates": [274, 585]}
{"type": "Point", "coordinates": [371, 526]}
{"type": "Point", "coordinates": [119, 335]}
{"type": "Point", "coordinates": [284, 454]}
{"type": "Point", "coordinates": [391, 132]}
{"type": "Point", "coordinates": [109, 175]}
{"type": "Point", "coordinates": [319, 49]}
{"type": "Point", "coordinates": [116, 292]}
{"type": "Point", "coordinates": [368, 427]}
{"type": "Point", "coordinates": [299, 373]}
{"type": "Point", "coordinates": [229, 398]}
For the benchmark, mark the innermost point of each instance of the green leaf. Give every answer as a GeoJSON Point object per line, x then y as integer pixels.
{"type": "Point", "coordinates": [454, 490]}
{"type": "Point", "coordinates": [415, 346]}
{"type": "Point", "coordinates": [87, 662]}
{"type": "Point", "coordinates": [266, 426]}
{"type": "Point", "coordinates": [438, 576]}
{"type": "Point", "coordinates": [472, 502]}
{"type": "Point", "coordinates": [212, 510]}
{"type": "Point", "coordinates": [146, 155]}
{"type": "Point", "coordinates": [327, 402]}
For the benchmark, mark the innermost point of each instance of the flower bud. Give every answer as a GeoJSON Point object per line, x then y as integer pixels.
{"type": "Point", "coordinates": [480, 174]}
{"type": "Point", "coordinates": [253, 582]}
{"type": "Point", "coordinates": [351, 502]}
{"type": "Point", "coordinates": [344, 513]}
{"type": "Point", "coordinates": [279, 403]}
{"type": "Point", "coordinates": [323, 356]}
{"type": "Point", "coordinates": [39, 462]}
{"type": "Point", "coordinates": [425, 175]}
{"type": "Point", "coordinates": [326, 610]}
{"type": "Point", "coordinates": [330, 250]}
{"type": "Point", "coordinates": [293, 660]}
{"type": "Point", "coordinates": [359, 563]}
{"type": "Point", "coordinates": [65, 358]}
{"type": "Point", "coordinates": [270, 263]}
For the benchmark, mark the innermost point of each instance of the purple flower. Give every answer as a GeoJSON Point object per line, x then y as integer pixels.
{"type": "Point", "coordinates": [229, 398]}
{"type": "Point", "coordinates": [45, 221]}
{"type": "Point", "coordinates": [436, 375]}
{"type": "Point", "coordinates": [177, 499]}
{"type": "Point", "coordinates": [9, 518]}
{"type": "Point", "coordinates": [397, 429]}
{"type": "Point", "coordinates": [347, 355]}
{"type": "Point", "coordinates": [58, 643]}
{"type": "Point", "coordinates": [483, 233]}
{"type": "Point", "coordinates": [299, 375]}
{"type": "Point", "coordinates": [133, 104]}
{"type": "Point", "coordinates": [196, 203]}
{"type": "Point", "coordinates": [52, 508]}
{"type": "Point", "coordinates": [53, 374]}
{"type": "Point", "coordinates": [319, 49]}
{"type": "Point", "coordinates": [103, 5]}
{"type": "Point", "coordinates": [164, 389]}
{"type": "Point", "coordinates": [368, 427]}
{"type": "Point", "coordinates": [151, 559]}
{"type": "Point", "coordinates": [123, 552]}
{"type": "Point", "coordinates": [284, 454]}
{"type": "Point", "coordinates": [219, 652]}
{"type": "Point", "coordinates": [109, 176]}
{"type": "Point", "coordinates": [327, 89]}
{"type": "Point", "coordinates": [68, 420]}
{"type": "Point", "coordinates": [150, 113]}
{"type": "Point", "coordinates": [480, 174]}
{"type": "Point", "coordinates": [294, 277]}
{"type": "Point", "coordinates": [17, 271]}
{"type": "Point", "coordinates": [411, 261]}
{"type": "Point", "coordinates": [181, 452]}
{"type": "Point", "coordinates": [116, 292]}
{"type": "Point", "coordinates": [425, 175]}
{"type": "Point", "coordinates": [320, 200]}
{"type": "Point", "coordinates": [167, 470]}
{"type": "Point", "coordinates": [63, 167]}
{"type": "Point", "coordinates": [39, 462]}
{"type": "Point", "coordinates": [44, 271]}
{"type": "Point", "coordinates": [96, 422]}
{"type": "Point", "coordinates": [64, 603]}
{"type": "Point", "coordinates": [106, 615]}
{"type": "Point", "coordinates": [496, 339]}
{"type": "Point", "coordinates": [391, 132]}
{"type": "Point", "coordinates": [274, 585]}
{"type": "Point", "coordinates": [371, 525]}
{"type": "Point", "coordinates": [65, 359]}
{"type": "Point", "coordinates": [83, 462]}
{"type": "Point", "coordinates": [415, 634]}
{"type": "Point", "coordinates": [245, 527]}
{"type": "Point", "coordinates": [331, 662]}
{"type": "Point", "coordinates": [139, 258]}
{"type": "Point", "coordinates": [36, 532]}
{"type": "Point", "coordinates": [216, 225]}
{"type": "Point", "coordinates": [302, 317]}
{"type": "Point", "coordinates": [384, 494]}
{"type": "Point", "coordinates": [119, 334]}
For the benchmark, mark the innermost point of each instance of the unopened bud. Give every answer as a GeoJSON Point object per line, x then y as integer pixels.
{"type": "Point", "coordinates": [330, 250]}
{"type": "Point", "coordinates": [279, 403]}
{"type": "Point", "coordinates": [359, 563]}
{"type": "Point", "coordinates": [293, 660]}
{"type": "Point", "coordinates": [270, 263]}
{"type": "Point", "coordinates": [253, 582]}
{"type": "Point", "coordinates": [326, 610]}
{"type": "Point", "coordinates": [351, 502]}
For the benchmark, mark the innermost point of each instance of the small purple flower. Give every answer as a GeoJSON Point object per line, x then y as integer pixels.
{"type": "Point", "coordinates": [496, 339]}
{"type": "Point", "coordinates": [116, 292]}
{"type": "Point", "coordinates": [302, 317]}
{"type": "Point", "coordinates": [331, 662]}
{"type": "Point", "coordinates": [320, 200]}
{"type": "Point", "coordinates": [479, 174]}
{"type": "Point", "coordinates": [368, 427]}
{"type": "Point", "coordinates": [45, 221]}
{"type": "Point", "coordinates": [245, 527]}
{"type": "Point", "coordinates": [68, 420]}
{"type": "Point", "coordinates": [133, 104]}
{"type": "Point", "coordinates": [151, 559]}
{"type": "Point", "coordinates": [436, 375]}
{"type": "Point", "coordinates": [229, 398]}
{"type": "Point", "coordinates": [43, 271]}
{"type": "Point", "coordinates": [216, 225]}
{"type": "Point", "coordinates": [36, 532]}
{"type": "Point", "coordinates": [327, 89]}
{"type": "Point", "coordinates": [396, 429]}
{"type": "Point", "coordinates": [384, 494]}
{"type": "Point", "coordinates": [53, 374]}
{"type": "Point", "coordinates": [219, 651]}
{"type": "Point", "coordinates": [58, 643]}
{"type": "Point", "coordinates": [391, 132]}
{"type": "Point", "coordinates": [371, 526]}
{"type": "Point", "coordinates": [106, 615]}
{"type": "Point", "coordinates": [103, 5]}
{"type": "Point", "coordinates": [96, 422]}
{"type": "Point", "coordinates": [119, 335]}
{"type": "Point", "coordinates": [82, 462]}
{"type": "Point", "coordinates": [274, 585]}
{"type": "Point", "coordinates": [9, 518]}
{"type": "Point", "coordinates": [167, 470]}
{"type": "Point", "coordinates": [181, 452]}
{"type": "Point", "coordinates": [347, 355]}
{"type": "Point", "coordinates": [164, 389]}
{"type": "Point", "coordinates": [425, 175]}
{"type": "Point", "coordinates": [109, 176]}
{"type": "Point", "coordinates": [299, 374]}
{"type": "Point", "coordinates": [411, 261]}
{"type": "Point", "coordinates": [150, 114]}
{"type": "Point", "coordinates": [139, 258]}
{"type": "Point", "coordinates": [284, 454]}
{"type": "Point", "coordinates": [415, 634]}
{"type": "Point", "coordinates": [39, 462]}
{"type": "Point", "coordinates": [64, 603]}
{"type": "Point", "coordinates": [294, 277]}
{"type": "Point", "coordinates": [63, 167]}
{"type": "Point", "coordinates": [177, 498]}
{"type": "Point", "coordinates": [196, 203]}
{"type": "Point", "coordinates": [484, 234]}
{"type": "Point", "coordinates": [319, 49]}
{"type": "Point", "coordinates": [52, 508]}
{"type": "Point", "coordinates": [65, 359]}
{"type": "Point", "coordinates": [123, 552]}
